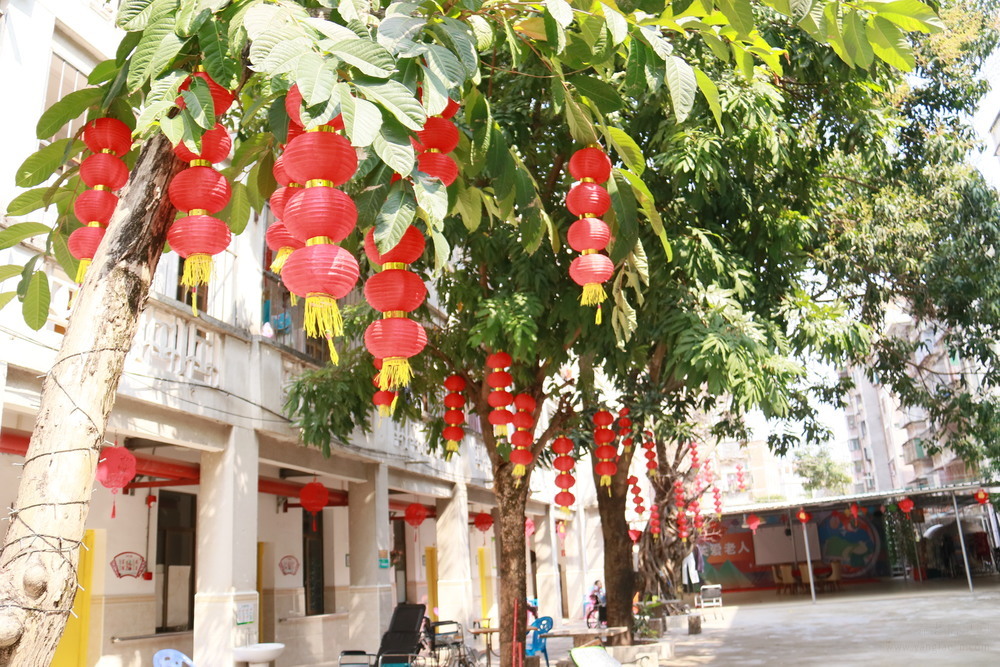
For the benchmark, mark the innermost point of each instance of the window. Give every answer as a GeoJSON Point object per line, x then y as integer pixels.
{"type": "Point", "coordinates": [175, 544]}
{"type": "Point", "coordinates": [854, 444]}
{"type": "Point", "coordinates": [64, 78]}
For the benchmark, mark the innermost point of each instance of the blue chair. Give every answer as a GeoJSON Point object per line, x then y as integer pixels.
{"type": "Point", "coordinates": [169, 657]}
{"type": "Point", "coordinates": [541, 626]}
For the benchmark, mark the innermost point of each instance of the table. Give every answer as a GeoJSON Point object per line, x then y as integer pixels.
{"type": "Point", "coordinates": [583, 636]}
{"type": "Point", "coordinates": [488, 638]}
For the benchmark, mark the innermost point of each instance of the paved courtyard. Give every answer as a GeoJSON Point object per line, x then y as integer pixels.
{"type": "Point", "coordinates": [906, 624]}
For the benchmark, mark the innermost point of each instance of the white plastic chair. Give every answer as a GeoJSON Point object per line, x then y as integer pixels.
{"type": "Point", "coordinates": [169, 657]}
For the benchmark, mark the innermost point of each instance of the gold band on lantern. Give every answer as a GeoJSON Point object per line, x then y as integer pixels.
{"type": "Point", "coordinates": [389, 314]}
{"type": "Point", "coordinates": [433, 150]}
{"type": "Point", "coordinates": [95, 223]}
{"type": "Point", "coordinates": [106, 188]}
{"type": "Point", "coordinates": [198, 211]}
{"type": "Point", "coordinates": [588, 251]}
{"type": "Point", "coordinates": [587, 179]}
{"type": "Point", "coordinates": [322, 128]}
{"type": "Point", "coordinates": [588, 215]}
{"type": "Point", "coordinates": [107, 150]}
{"type": "Point", "coordinates": [319, 182]}
{"type": "Point", "coordinates": [201, 163]}
{"type": "Point", "coordinates": [319, 240]}
{"type": "Point", "coordinates": [294, 185]}
{"type": "Point", "coordinates": [393, 265]}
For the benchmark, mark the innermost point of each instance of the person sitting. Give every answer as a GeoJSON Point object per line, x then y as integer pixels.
{"type": "Point", "coordinates": [598, 599]}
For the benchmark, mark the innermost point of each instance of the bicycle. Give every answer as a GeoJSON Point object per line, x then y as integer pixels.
{"type": "Point", "coordinates": [594, 614]}
{"type": "Point", "coordinates": [449, 648]}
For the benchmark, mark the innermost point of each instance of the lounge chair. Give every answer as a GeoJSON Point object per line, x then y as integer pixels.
{"type": "Point", "coordinates": [400, 644]}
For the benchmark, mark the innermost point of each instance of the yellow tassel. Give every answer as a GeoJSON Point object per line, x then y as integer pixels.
{"type": "Point", "coordinates": [392, 406]}
{"type": "Point", "coordinates": [519, 471]}
{"type": "Point", "coordinates": [450, 449]}
{"type": "Point", "coordinates": [81, 270]}
{"type": "Point", "coordinates": [334, 357]}
{"type": "Point", "coordinates": [280, 259]}
{"type": "Point", "coordinates": [500, 430]}
{"type": "Point", "coordinates": [593, 294]}
{"type": "Point", "coordinates": [197, 270]}
{"type": "Point", "coordinates": [295, 299]}
{"type": "Point", "coordinates": [323, 316]}
{"type": "Point", "coordinates": [194, 302]}
{"type": "Point", "coordinates": [396, 372]}
{"type": "Point", "coordinates": [597, 317]}
{"type": "Point", "coordinates": [385, 410]}
{"type": "Point", "coordinates": [606, 480]}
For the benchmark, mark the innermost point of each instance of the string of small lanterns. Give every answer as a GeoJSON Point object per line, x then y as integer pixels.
{"type": "Point", "coordinates": [454, 416]}
{"type": "Point", "coordinates": [588, 200]}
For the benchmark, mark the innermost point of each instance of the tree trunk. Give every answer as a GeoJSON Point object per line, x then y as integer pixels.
{"type": "Point", "coordinates": [511, 502]}
{"type": "Point", "coordinates": [619, 577]}
{"type": "Point", "coordinates": [40, 552]}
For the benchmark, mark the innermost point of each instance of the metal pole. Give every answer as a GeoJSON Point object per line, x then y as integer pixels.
{"type": "Point", "coordinates": [961, 540]}
{"type": "Point", "coordinates": [795, 552]}
{"type": "Point", "coordinates": [812, 579]}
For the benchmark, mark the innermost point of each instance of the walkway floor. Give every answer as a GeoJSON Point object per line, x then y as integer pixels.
{"type": "Point", "coordinates": [901, 623]}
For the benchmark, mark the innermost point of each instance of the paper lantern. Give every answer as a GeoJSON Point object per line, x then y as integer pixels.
{"type": "Point", "coordinates": [103, 170]}
{"type": "Point", "coordinates": [408, 250]}
{"type": "Point", "coordinates": [394, 340]}
{"type": "Point", "coordinates": [753, 522]}
{"type": "Point", "coordinates": [320, 212]}
{"type": "Point", "coordinates": [95, 206]}
{"type": "Point", "coordinates": [115, 469]}
{"type": "Point", "coordinates": [314, 497]}
{"type": "Point", "coordinates": [455, 415]}
{"type": "Point", "coordinates": [196, 238]}
{"type": "Point", "coordinates": [415, 514]}
{"type": "Point", "coordinates": [634, 535]}
{"type": "Point", "coordinates": [107, 135]}
{"type": "Point", "coordinates": [215, 146]}
{"type": "Point", "coordinates": [854, 508]}
{"type": "Point", "coordinates": [529, 526]}
{"type": "Point", "coordinates": [439, 134]}
{"type": "Point", "coordinates": [83, 244]}
{"type": "Point", "coordinates": [293, 107]}
{"type": "Point", "coordinates": [483, 522]}
{"type": "Point", "coordinates": [803, 516]}
{"type": "Point", "coordinates": [499, 399]}
{"type": "Point", "coordinates": [222, 99]}
{"type": "Point", "coordinates": [199, 188]}
{"type": "Point", "coordinates": [717, 496]}
{"type": "Point", "coordinates": [324, 157]}
{"type": "Point", "coordinates": [906, 506]}
{"type": "Point", "coordinates": [384, 401]}
{"type": "Point", "coordinates": [982, 496]}
{"type": "Point", "coordinates": [590, 164]}
{"type": "Point", "coordinates": [438, 165]}
{"type": "Point", "coordinates": [282, 243]}
{"type": "Point", "coordinates": [524, 422]}
{"type": "Point", "coordinates": [605, 466]}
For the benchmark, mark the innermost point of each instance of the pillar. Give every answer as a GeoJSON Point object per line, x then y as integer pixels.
{"type": "Point", "coordinates": [370, 543]}
{"type": "Point", "coordinates": [547, 563]}
{"type": "Point", "coordinates": [226, 609]}
{"type": "Point", "coordinates": [453, 558]}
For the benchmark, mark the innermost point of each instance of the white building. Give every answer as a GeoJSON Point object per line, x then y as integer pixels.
{"type": "Point", "coordinates": [209, 548]}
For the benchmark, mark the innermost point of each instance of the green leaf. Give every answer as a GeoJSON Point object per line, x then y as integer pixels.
{"type": "Point", "coordinates": [353, 10]}
{"type": "Point", "coordinates": [367, 56]}
{"type": "Point", "coordinates": [580, 123]}
{"type": "Point", "coordinates": [65, 110]}
{"type": "Point", "coordinates": [463, 44]}
{"type": "Point", "coordinates": [237, 211]}
{"type": "Point", "coordinates": [911, 15]}
{"type": "Point", "coordinates": [134, 14]}
{"type": "Point", "coordinates": [442, 251]}
{"type": "Point", "coordinates": [432, 200]}
{"type": "Point", "coordinates": [41, 164]}
{"type": "Point", "coordinates": [635, 68]}
{"type": "Point", "coordinates": [469, 204]}
{"type": "Point", "coordinates": [682, 85]}
{"type": "Point", "coordinates": [645, 199]}
{"type": "Point", "coordinates": [600, 93]}
{"type": "Point", "coordinates": [856, 41]}
{"type": "Point", "coordinates": [316, 78]}
{"type": "Point", "coordinates": [5, 298]}
{"type": "Point", "coordinates": [627, 227]}
{"type": "Point", "coordinates": [445, 65]}
{"type": "Point", "coordinates": [740, 15]}
{"type": "Point", "coordinates": [398, 33]}
{"type": "Point", "coordinates": [28, 201]}
{"type": "Point", "coordinates": [889, 43]}
{"type": "Point", "coordinates": [60, 248]}
{"type": "Point", "coordinates": [362, 119]}
{"type": "Point", "coordinates": [617, 25]}
{"type": "Point", "coordinates": [627, 149]}
{"type": "Point", "coordinates": [483, 30]}
{"type": "Point", "coordinates": [397, 99]}
{"type": "Point", "coordinates": [393, 146]}
{"type": "Point", "coordinates": [435, 92]}
{"type": "Point", "coordinates": [104, 71]}
{"type": "Point", "coordinates": [191, 15]}
{"type": "Point", "coordinates": [395, 216]}
{"type": "Point", "coordinates": [35, 307]}
{"type": "Point", "coordinates": [156, 50]}
{"type": "Point", "coordinates": [9, 271]}
{"type": "Point", "coordinates": [711, 93]}
{"type": "Point", "coordinates": [561, 11]}
{"type": "Point", "coordinates": [198, 100]}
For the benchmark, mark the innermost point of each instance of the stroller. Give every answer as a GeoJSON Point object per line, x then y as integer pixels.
{"type": "Point", "coordinates": [400, 644]}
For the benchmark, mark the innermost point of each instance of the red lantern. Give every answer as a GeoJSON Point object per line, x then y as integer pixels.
{"type": "Point", "coordinates": [103, 170]}
{"type": "Point", "coordinates": [499, 399]}
{"type": "Point", "coordinates": [222, 99]}
{"type": "Point", "coordinates": [483, 522]}
{"type": "Point", "coordinates": [95, 206]}
{"type": "Point", "coordinates": [634, 535]}
{"type": "Point", "coordinates": [384, 401]}
{"type": "Point", "coordinates": [605, 466]}
{"type": "Point", "coordinates": [293, 107]}
{"type": "Point", "coordinates": [982, 496]}
{"type": "Point", "coordinates": [439, 134]}
{"type": "Point", "coordinates": [196, 238]}
{"type": "Point", "coordinates": [589, 235]}
{"type": "Point", "coordinates": [320, 158]}
{"type": "Point", "coordinates": [199, 189]}
{"type": "Point", "coordinates": [521, 440]}
{"type": "Point", "coordinates": [906, 506]}
{"type": "Point", "coordinates": [438, 165]}
{"type": "Point", "coordinates": [717, 494]}
{"type": "Point", "coordinates": [314, 497]}
{"type": "Point", "coordinates": [115, 469]}
{"type": "Point", "coordinates": [564, 463]}
{"type": "Point", "coordinates": [590, 164]}
{"type": "Point", "coordinates": [107, 135]}
{"type": "Point", "coordinates": [855, 508]}
{"type": "Point", "coordinates": [282, 243]}
{"type": "Point", "coordinates": [415, 514]}
{"type": "Point", "coordinates": [753, 522]}
{"type": "Point", "coordinates": [654, 521]}
{"type": "Point", "coordinates": [803, 516]}
{"type": "Point", "coordinates": [215, 146]}
{"type": "Point", "coordinates": [83, 244]}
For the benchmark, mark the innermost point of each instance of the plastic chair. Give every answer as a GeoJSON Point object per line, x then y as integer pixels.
{"type": "Point", "coordinates": [709, 596]}
{"type": "Point", "coordinates": [786, 579]}
{"type": "Point", "coordinates": [169, 657]}
{"type": "Point", "coordinates": [806, 574]}
{"type": "Point", "coordinates": [836, 576]}
{"type": "Point", "coordinates": [538, 643]}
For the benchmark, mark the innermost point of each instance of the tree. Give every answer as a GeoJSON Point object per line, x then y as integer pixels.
{"type": "Point", "coordinates": [820, 471]}
{"type": "Point", "coordinates": [366, 62]}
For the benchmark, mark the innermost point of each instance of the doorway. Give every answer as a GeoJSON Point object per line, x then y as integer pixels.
{"type": "Point", "coordinates": [176, 517]}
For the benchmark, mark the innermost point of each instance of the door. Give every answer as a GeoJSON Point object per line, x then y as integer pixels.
{"type": "Point", "coordinates": [72, 648]}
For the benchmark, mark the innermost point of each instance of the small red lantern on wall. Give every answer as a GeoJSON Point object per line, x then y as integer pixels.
{"type": "Point", "coordinates": [753, 522]}
{"type": "Point", "coordinates": [982, 496]}
{"type": "Point", "coordinates": [803, 516]}
{"type": "Point", "coordinates": [115, 469]}
{"type": "Point", "coordinates": [314, 497]}
{"type": "Point", "coordinates": [483, 522]}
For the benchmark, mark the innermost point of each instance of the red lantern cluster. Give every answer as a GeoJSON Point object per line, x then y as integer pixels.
{"type": "Point", "coordinates": [650, 453]}
{"type": "Point", "coordinates": [636, 495]}
{"type": "Point", "coordinates": [395, 292]}
{"type": "Point", "coordinates": [320, 217]}
{"type": "Point", "coordinates": [982, 496]}
{"type": "Point", "coordinates": [682, 521]}
{"type": "Point", "coordinates": [109, 139]}
{"type": "Point", "coordinates": [605, 453]}
{"type": "Point", "coordinates": [717, 496]}
{"type": "Point", "coordinates": [115, 469]}
{"type": "Point", "coordinates": [314, 497]}
{"type": "Point", "coordinates": [564, 463]}
{"type": "Point", "coordinates": [753, 522]}
{"type": "Point", "coordinates": [200, 191]}
{"type": "Point", "coordinates": [589, 235]}
{"type": "Point", "coordinates": [698, 520]}
{"type": "Point", "coordinates": [693, 452]}
{"type": "Point", "coordinates": [279, 239]}
{"type": "Point", "coordinates": [499, 399]}
{"type": "Point", "coordinates": [523, 436]}
{"type": "Point", "coordinates": [740, 479]}
{"type": "Point", "coordinates": [654, 521]}
{"type": "Point", "coordinates": [625, 429]}
{"type": "Point", "coordinates": [854, 509]}
{"type": "Point", "coordinates": [433, 143]}
{"type": "Point", "coordinates": [454, 416]}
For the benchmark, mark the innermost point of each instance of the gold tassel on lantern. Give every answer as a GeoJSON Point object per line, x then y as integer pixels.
{"type": "Point", "coordinates": [81, 270]}
{"type": "Point", "coordinates": [593, 294]}
{"type": "Point", "coordinates": [197, 270]}
{"type": "Point", "coordinates": [396, 372]}
{"type": "Point", "coordinates": [322, 317]}
{"type": "Point", "coordinates": [450, 449]}
{"type": "Point", "coordinates": [280, 259]}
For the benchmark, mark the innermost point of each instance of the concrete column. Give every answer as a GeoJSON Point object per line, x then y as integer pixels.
{"type": "Point", "coordinates": [454, 564]}
{"type": "Point", "coordinates": [370, 541]}
{"type": "Point", "coordinates": [226, 610]}
{"type": "Point", "coordinates": [547, 554]}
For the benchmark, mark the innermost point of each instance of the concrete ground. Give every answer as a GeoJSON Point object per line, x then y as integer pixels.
{"type": "Point", "coordinates": [895, 623]}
